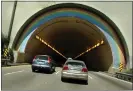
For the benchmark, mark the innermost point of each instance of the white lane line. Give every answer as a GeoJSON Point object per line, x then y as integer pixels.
{"type": "Point", "coordinates": [89, 76]}
{"type": "Point", "coordinates": [57, 72]}
{"type": "Point", "coordinates": [13, 72]}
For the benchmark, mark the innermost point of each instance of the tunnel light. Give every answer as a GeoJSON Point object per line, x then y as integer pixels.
{"type": "Point", "coordinates": [75, 57]}
{"type": "Point", "coordinates": [98, 44]}
{"type": "Point", "coordinates": [37, 37]}
{"type": "Point", "coordinates": [102, 42]}
{"type": "Point", "coordinates": [44, 42]}
{"type": "Point", "coordinates": [82, 53]}
{"type": "Point", "coordinates": [53, 49]}
{"type": "Point", "coordinates": [93, 47]}
{"type": "Point", "coordinates": [48, 45]}
{"type": "Point", "coordinates": [40, 39]}
{"type": "Point", "coordinates": [87, 50]}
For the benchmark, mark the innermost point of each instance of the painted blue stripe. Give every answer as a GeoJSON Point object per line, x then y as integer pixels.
{"type": "Point", "coordinates": [114, 49]}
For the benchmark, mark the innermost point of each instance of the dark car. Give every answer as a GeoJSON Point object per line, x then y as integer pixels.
{"type": "Point", "coordinates": [43, 63]}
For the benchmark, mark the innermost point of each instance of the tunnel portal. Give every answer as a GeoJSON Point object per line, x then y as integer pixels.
{"type": "Point", "coordinates": [73, 30]}
{"type": "Point", "coordinates": [71, 36]}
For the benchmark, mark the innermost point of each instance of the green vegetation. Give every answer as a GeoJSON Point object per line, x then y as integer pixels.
{"type": "Point", "coordinates": [130, 71]}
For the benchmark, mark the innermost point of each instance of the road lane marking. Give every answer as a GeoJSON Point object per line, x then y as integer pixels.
{"type": "Point", "coordinates": [13, 72]}
{"type": "Point", "coordinates": [15, 66]}
{"type": "Point", "coordinates": [89, 76]}
{"type": "Point", "coordinates": [57, 72]}
{"type": "Point", "coordinates": [59, 69]}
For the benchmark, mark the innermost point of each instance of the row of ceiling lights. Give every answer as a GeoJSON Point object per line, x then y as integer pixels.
{"type": "Point", "coordinates": [89, 49]}
{"type": "Point", "coordinates": [37, 37]}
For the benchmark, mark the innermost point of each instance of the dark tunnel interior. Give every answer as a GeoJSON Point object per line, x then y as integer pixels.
{"type": "Point", "coordinates": [71, 36]}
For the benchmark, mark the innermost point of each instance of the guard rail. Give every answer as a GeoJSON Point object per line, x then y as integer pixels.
{"type": "Point", "coordinates": [124, 76]}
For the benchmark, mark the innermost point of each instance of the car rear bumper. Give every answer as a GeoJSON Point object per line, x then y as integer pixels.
{"type": "Point", "coordinates": [47, 68]}
{"type": "Point", "coordinates": [80, 76]}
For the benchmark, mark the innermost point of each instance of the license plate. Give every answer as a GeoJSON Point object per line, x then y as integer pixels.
{"type": "Point", "coordinates": [41, 62]}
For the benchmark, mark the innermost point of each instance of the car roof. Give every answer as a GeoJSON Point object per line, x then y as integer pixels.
{"type": "Point", "coordinates": [70, 58]}
{"type": "Point", "coordinates": [43, 55]}
{"type": "Point", "coordinates": [78, 61]}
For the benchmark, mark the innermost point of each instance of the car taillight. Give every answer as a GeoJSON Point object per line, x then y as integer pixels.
{"type": "Point", "coordinates": [49, 60]}
{"type": "Point", "coordinates": [65, 68]}
{"type": "Point", "coordinates": [34, 58]}
{"type": "Point", "coordinates": [84, 70]}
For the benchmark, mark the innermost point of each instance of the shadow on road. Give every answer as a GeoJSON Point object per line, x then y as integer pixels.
{"type": "Point", "coordinates": [44, 72]}
{"type": "Point", "coordinates": [75, 81]}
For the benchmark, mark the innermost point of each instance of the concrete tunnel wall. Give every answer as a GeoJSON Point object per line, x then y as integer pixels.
{"type": "Point", "coordinates": [38, 6]}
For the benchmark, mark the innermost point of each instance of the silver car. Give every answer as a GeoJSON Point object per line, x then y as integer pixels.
{"type": "Point", "coordinates": [74, 69]}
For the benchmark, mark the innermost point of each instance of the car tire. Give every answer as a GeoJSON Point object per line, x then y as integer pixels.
{"type": "Point", "coordinates": [62, 79]}
{"type": "Point", "coordinates": [86, 82]}
{"type": "Point", "coordinates": [54, 69]}
{"type": "Point", "coordinates": [33, 70]}
{"type": "Point", "coordinates": [51, 71]}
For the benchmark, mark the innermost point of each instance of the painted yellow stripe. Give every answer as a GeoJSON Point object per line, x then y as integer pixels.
{"type": "Point", "coordinates": [121, 67]}
{"type": "Point", "coordinates": [5, 52]}
{"type": "Point", "coordinates": [5, 55]}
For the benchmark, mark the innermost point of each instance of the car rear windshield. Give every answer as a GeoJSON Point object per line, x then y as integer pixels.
{"type": "Point", "coordinates": [42, 57]}
{"type": "Point", "coordinates": [43, 62]}
{"type": "Point", "coordinates": [78, 64]}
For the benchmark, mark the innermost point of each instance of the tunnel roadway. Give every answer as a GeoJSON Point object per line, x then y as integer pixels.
{"type": "Point", "coordinates": [22, 78]}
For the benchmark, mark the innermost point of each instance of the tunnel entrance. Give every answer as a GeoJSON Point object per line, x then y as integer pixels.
{"type": "Point", "coordinates": [73, 30]}
{"type": "Point", "coordinates": [71, 37]}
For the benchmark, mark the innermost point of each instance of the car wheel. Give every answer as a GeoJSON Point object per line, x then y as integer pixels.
{"type": "Point", "coordinates": [86, 82]}
{"type": "Point", "coordinates": [33, 70]}
{"type": "Point", "coordinates": [53, 69]}
{"type": "Point", "coordinates": [62, 79]}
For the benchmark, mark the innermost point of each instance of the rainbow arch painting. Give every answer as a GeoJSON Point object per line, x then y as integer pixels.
{"type": "Point", "coordinates": [83, 12]}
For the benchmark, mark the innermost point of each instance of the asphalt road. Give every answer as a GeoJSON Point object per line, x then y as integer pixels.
{"type": "Point", "coordinates": [22, 78]}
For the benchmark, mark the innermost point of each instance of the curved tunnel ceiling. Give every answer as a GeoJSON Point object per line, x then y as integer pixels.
{"type": "Point", "coordinates": [75, 19]}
